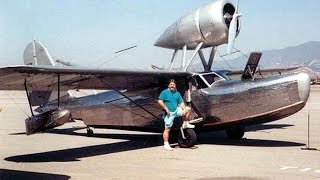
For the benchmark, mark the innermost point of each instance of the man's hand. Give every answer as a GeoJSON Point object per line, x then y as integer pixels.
{"type": "Point", "coordinates": [168, 112]}
{"type": "Point", "coordinates": [161, 103]}
{"type": "Point", "coordinates": [182, 105]}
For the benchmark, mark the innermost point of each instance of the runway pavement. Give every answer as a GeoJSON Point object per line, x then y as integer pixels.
{"type": "Point", "coordinates": [269, 151]}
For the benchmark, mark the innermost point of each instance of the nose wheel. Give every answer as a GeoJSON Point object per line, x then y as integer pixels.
{"type": "Point", "coordinates": [187, 138]}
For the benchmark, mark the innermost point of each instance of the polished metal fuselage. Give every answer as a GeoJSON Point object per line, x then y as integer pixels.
{"type": "Point", "coordinates": [223, 105]}
{"type": "Point", "coordinates": [249, 102]}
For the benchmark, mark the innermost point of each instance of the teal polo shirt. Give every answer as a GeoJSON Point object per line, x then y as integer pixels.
{"type": "Point", "coordinates": [171, 99]}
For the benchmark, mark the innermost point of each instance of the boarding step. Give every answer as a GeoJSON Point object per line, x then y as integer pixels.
{"type": "Point", "coordinates": [194, 121]}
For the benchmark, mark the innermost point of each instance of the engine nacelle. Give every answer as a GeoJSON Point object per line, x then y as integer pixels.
{"type": "Point", "coordinates": [47, 120]}
{"type": "Point", "coordinates": [208, 24]}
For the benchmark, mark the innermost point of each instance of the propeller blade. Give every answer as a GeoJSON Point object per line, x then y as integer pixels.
{"type": "Point", "coordinates": [236, 11]}
{"type": "Point", "coordinates": [233, 29]}
{"type": "Point", "coordinates": [232, 32]}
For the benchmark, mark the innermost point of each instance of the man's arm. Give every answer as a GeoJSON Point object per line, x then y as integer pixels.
{"type": "Point", "coordinates": [181, 102]}
{"type": "Point", "coordinates": [182, 105]}
{"type": "Point", "coordinates": [163, 106]}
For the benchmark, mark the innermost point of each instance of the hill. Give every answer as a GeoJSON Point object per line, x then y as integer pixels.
{"type": "Point", "coordinates": [307, 54]}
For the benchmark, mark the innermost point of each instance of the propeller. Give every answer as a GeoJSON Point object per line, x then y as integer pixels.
{"type": "Point", "coordinates": [233, 28]}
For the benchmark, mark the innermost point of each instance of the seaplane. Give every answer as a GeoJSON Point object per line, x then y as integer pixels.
{"type": "Point", "coordinates": [127, 99]}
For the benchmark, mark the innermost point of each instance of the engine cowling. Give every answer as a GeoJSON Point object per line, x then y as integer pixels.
{"type": "Point", "coordinates": [47, 120]}
{"type": "Point", "coordinates": [208, 24]}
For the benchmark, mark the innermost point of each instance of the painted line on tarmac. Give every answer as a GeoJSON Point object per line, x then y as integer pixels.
{"type": "Point", "coordinates": [300, 169]}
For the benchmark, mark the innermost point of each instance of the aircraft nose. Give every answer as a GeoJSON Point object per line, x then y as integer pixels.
{"type": "Point", "coordinates": [304, 86]}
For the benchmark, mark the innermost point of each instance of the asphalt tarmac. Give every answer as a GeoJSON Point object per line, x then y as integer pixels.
{"type": "Point", "coordinates": [269, 151]}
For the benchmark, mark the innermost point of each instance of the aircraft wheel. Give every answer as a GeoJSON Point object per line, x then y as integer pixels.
{"type": "Point", "coordinates": [190, 141]}
{"type": "Point", "coordinates": [89, 132]}
{"type": "Point", "coordinates": [235, 133]}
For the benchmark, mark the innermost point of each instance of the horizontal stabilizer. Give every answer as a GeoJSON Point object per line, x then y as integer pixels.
{"type": "Point", "coordinates": [251, 65]}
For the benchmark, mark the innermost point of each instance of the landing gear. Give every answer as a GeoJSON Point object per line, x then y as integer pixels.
{"type": "Point", "coordinates": [89, 132]}
{"type": "Point", "coordinates": [235, 133]}
{"type": "Point", "coordinates": [187, 139]}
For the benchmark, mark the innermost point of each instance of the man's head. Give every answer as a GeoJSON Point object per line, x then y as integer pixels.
{"type": "Point", "coordinates": [172, 85]}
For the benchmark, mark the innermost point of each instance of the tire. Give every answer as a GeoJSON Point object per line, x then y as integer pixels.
{"type": "Point", "coordinates": [235, 133]}
{"type": "Point", "coordinates": [190, 141]}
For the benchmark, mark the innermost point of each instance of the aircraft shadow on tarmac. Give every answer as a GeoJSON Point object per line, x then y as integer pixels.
{"type": "Point", "coordinates": [268, 126]}
{"type": "Point", "coordinates": [14, 174]}
{"type": "Point", "coordinates": [138, 141]}
{"type": "Point", "coordinates": [247, 142]}
{"type": "Point", "coordinates": [219, 138]}
{"type": "Point", "coordinates": [133, 142]}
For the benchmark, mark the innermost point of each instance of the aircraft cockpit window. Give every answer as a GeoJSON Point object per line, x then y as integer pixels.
{"type": "Point", "coordinates": [223, 75]}
{"type": "Point", "coordinates": [206, 80]}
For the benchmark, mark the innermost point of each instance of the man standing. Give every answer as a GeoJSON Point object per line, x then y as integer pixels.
{"type": "Point", "coordinates": [171, 101]}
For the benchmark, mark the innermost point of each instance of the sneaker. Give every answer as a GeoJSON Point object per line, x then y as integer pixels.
{"type": "Point", "coordinates": [167, 147]}
{"type": "Point", "coordinates": [187, 125]}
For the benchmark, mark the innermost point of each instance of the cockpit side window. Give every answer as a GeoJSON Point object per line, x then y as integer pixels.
{"type": "Point", "coordinates": [206, 80]}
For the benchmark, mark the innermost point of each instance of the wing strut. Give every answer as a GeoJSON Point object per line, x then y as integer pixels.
{"type": "Point", "coordinates": [58, 91]}
{"type": "Point", "coordinates": [193, 56]}
{"type": "Point", "coordinates": [127, 97]}
{"type": "Point", "coordinates": [26, 89]}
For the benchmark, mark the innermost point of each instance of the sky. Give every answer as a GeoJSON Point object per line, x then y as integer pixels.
{"type": "Point", "coordinates": [88, 32]}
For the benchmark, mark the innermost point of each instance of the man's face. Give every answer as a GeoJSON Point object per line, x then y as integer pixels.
{"type": "Point", "coordinates": [172, 86]}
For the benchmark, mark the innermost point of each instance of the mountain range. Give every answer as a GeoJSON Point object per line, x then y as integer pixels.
{"type": "Point", "coordinates": [307, 54]}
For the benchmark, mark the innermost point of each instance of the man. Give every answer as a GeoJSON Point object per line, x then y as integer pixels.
{"type": "Point", "coordinates": [171, 101]}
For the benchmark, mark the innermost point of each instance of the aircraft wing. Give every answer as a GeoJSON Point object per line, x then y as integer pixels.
{"type": "Point", "coordinates": [44, 78]}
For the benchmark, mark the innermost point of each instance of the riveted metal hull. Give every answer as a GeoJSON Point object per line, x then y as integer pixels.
{"type": "Point", "coordinates": [252, 102]}
{"type": "Point", "coordinates": [225, 104]}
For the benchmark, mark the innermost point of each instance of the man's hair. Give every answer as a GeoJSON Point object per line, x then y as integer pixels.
{"type": "Point", "coordinates": [172, 81]}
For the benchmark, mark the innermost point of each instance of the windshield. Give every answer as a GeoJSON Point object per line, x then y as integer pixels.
{"type": "Point", "coordinates": [205, 80]}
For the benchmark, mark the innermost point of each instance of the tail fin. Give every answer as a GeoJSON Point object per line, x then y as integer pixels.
{"type": "Point", "coordinates": [36, 54]}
